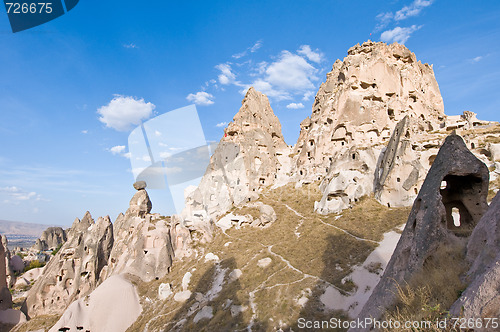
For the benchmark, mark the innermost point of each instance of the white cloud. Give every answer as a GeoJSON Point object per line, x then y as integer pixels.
{"type": "Point", "coordinates": [256, 46]}
{"type": "Point", "coordinates": [131, 45]}
{"type": "Point", "coordinates": [295, 106]}
{"type": "Point", "coordinates": [226, 76]}
{"type": "Point", "coordinates": [201, 98]}
{"type": "Point", "coordinates": [398, 34]}
{"type": "Point", "coordinates": [18, 194]}
{"type": "Point", "coordinates": [290, 74]}
{"type": "Point", "coordinates": [84, 131]}
{"type": "Point", "coordinates": [308, 95]}
{"type": "Point", "coordinates": [239, 55]}
{"type": "Point", "coordinates": [221, 124]}
{"type": "Point", "coordinates": [477, 59]}
{"type": "Point", "coordinates": [123, 112]}
{"type": "Point", "coordinates": [314, 56]}
{"type": "Point", "coordinates": [412, 10]}
{"type": "Point", "coordinates": [117, 149]}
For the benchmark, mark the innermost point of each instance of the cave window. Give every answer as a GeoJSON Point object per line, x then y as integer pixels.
{"type": "Point", "coordinates": [262, 181]}
{"type": "Point", "coordinates": [472, 146]}
{"type": "Point", "coordinates": [416, 191]}
{"type": "Point", "coordinates": [309, 154]}
{"type": "Point", "coordinates": [301, 173]}
{"type": "Point", "coordinates": [460, 195]}
{"type": "Point", "coordinates": [311, 143]}
{"type": "Point", "coordinates": [390, 112]}
{"type": "Point", "coordinates": [353, 156]}
{"type": "Point", "coordinates": [398, 179]}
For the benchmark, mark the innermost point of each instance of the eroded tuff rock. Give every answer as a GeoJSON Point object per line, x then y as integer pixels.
{"type": "Point", "coordinates": [50, 239]}
{"type": "Point", "coordinates": [74, 271]}
{"type": "Point", "coordinates": [251, 155]}
{"type": "Point", "coordinates": [481, 299]}
{"type": "Point", "coordinates": [140, 204]}
{"type": "Point", "coordinates": [450, 203]}
{"type": "Point", "coordinates": [5, 296]}
{"type": "Point", "coordinates": [354, 115]}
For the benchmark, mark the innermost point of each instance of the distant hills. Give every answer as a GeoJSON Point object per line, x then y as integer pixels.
{"type": "Point", "coordinates": [21, 234]}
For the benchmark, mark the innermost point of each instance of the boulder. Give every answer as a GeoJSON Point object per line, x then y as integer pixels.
{"type": "Point", "coordinates": [139, 185]}
{"type": "Point", "coordinates": [449, 205]}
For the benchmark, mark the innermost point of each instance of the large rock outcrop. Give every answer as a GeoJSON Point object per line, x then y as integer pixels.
{"type": "Point", "coordinates": [5, 296]}
{"type": "Point", "coordinates": [449, 205]}
{"type": "Point", "coordinates": [378, 90]}
{"type": "Point", "coordinates": [251, 155]}
{"type": "Point", "coordinates": [142, 242]}
{"type": "Point", "coordinates": [74, 271]}
{"type": "Point", "coordinates": [50, 239]}
{"type": "Point", "coordinates": [481, 299]}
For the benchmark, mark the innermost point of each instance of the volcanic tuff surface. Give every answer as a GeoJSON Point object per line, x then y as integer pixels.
{"type": "Point", "coordinates": [321, 239]}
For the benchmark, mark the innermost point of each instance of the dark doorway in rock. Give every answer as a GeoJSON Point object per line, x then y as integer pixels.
{"type": "Point", "coordinates": [461, 196]}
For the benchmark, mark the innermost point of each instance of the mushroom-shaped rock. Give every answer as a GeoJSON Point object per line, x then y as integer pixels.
{"type": "Point", "coordinates": [140, 204]}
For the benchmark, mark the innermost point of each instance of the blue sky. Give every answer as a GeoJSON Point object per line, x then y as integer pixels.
{"type": "Point", "coordinates": [72, 89]}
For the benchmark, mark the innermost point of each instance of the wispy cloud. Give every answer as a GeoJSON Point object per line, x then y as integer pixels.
{"type": "Point", "coordinates": [84, 132]}
{"type": "Point", "coordinates": [398, 34]}
{"type": "Point", "coordinates": [119, 149]}
{"type": "Point", "coordinates": [295, 106]}
{"type": "Point", "coordinates": [315, 56]}
{"type": "Point", "coordinates": [16, 194]}
{"type": "Point", "coordinates": [221, 124]}
{"type": "Point", "coordinates": [251, 49]}
{"type": "Point", "coordinates": [131, 45]}
{"type": "Point", "coordinates": [226, 75]}
{"type": "Point", "coordinates": [123, 112]}
{"type": "Point", "coordinates": [201, 98]}
{"type": "Point", "coordinates": [477, 59]}
{"type": "Point", "coordinates": [412, 10]}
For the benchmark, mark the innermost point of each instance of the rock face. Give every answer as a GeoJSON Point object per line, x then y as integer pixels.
{"type": "Point", "coordinates": [50, 239]}
{"type": "Point", "coordinates": [5, 296]}
{"type": "Point", "coordinates": [451, 202]}
{"type": "Point", "coordinates": [112, 307]}
{"type": "Point", "coordinates": [140, 204]}
{"type": "Point", "coordinates": [481, 298]}
{"type": "Point", "coordinates": [251, 155]}
{"type": "Point", "coordinates": [75, 270]}
{"type": "Point", "coordinates": [377, 89]}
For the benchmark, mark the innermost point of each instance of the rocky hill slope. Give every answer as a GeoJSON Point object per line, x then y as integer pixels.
{"type": "Point", "coordinates": [275, 234]}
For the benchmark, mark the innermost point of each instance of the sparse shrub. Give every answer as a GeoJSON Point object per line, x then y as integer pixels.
{"type": "Point", "coordinates": [34, 265]}
{"type": "Point", "coordinates": [56, 250]}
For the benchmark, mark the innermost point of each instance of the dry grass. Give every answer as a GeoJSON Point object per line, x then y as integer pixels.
{"type": "Point", "coordinates": [38, 323]}
{"type": "Point", "coordinates": [493, 185]}
{"type": "Point", "coordinates": [369, 219]}
{"type": "Point", "coordinates": [432, 291]}
{"type": "Point", "coordinates": [321, 252]}
{"type": "Point", "coordinates": [252, 211]}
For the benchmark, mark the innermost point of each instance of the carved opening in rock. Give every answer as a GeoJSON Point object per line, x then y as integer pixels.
{"type": "Point", "coordinates": [472, 146]}
{"type": "Point", "coordinates": [398, 179]}
{"type": "Point", "coordinates": [413, 98]}
{"type": "Point", "coordinates": [416, 191]}
{"type": "Point", "coordinates": [460, 194]}
{"type": "Point", "coordinates": [262, 181]}
{"type": "Point", "coordinates": [485, 152]}
{"type": "Point", "coordinates": [390, 94]}
{"type": "Point", "coordinates": [390, 112]}
{"type": "Point", "coordinates": [309, 154]}
{"type": "Point", "coordinates": [335, 194]}
{"type": "Point", "coordinates": [353, 156]}
{"type": "Point", "coordinates": [341, 77]}
{"type": "Point", "coordinates": [301, 173]}
{"type": "Point", "coordinates": [232, 133]}
{"type": "Point", "coordinates": [274, 135]}
{"type": "Point", "coordinates": [431, 159]}
{"type": "Point", "coordinates": [311, 142]}
{"type": "Point", "coordinates": [329, 121]}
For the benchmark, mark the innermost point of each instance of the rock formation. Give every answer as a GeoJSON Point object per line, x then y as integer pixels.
{"type": "Point", "coordinates": [449, 205]}
{"type": "Point", "coordinates": [112, 307]}
{"type": "Point", "coordinates": [251, 155]}
{"type": "Point", "coordinates": [481, 299]}
{"type": "Point", "coordinates": [142, 241]}
{"type": "Point", "coordinates": [75, 270]}
{"type": "Point", "coordinates": [5, 297]}
{"type": "Point", "coordinates": [50, 239]}
{"type": "Point", "coordinates": [377, 89]}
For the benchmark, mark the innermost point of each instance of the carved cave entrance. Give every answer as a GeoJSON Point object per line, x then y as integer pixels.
{"type": "Point", "coordinates": [461, 196]}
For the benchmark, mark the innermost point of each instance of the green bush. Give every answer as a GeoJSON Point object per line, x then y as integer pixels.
{"type": "Point", "coordinates": [33, 265]}
{"type": "Point", "coordinates": [56, 249]}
